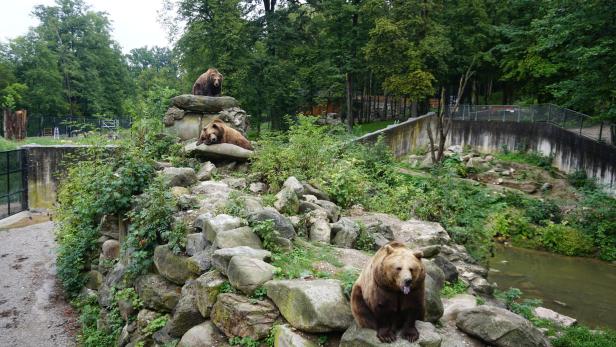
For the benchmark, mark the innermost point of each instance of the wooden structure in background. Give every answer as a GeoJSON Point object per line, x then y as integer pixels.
{"type": "Point", "coordinates": [15, 124]}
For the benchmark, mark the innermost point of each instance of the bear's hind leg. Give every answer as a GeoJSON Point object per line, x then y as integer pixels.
{"type": "Point", "coordinates": [361, 311]}
{"type": "Point", "coordinates": [409, 331]}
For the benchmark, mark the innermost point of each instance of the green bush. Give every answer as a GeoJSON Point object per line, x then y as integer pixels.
{"type": "Point", "coordinates": [268, 235]}
{"type": "Point", "coordinates": [580, 336]}
{"type": "Point", "coordinates": [566, 240]}
{"type": "Point", "coordinates": [452, 289]}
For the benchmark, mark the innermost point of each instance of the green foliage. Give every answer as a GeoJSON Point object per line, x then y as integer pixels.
{"type": "Point", "coordinates": [226, 287]}
{"type": "Point", "coordinates": [365, 240]}
{"type": "Point", "coordinates": [235, 206]}
{"type": "Point", "coordinates": [579, 179]}
{"type": "Point", "coordinates": [155, 325]}
{"type": "Point", "coordinates": [244, 341]}
{"type": "Point", "coordinates": [322, 340]}
{"type": "Point", "coordinates": [268, 199]}
{"type": "Point", "coordinates": [452, 289]}
{"type": "Point", "coordinates": [524, 308]}
{"type": "Point", "coordinates": [532, 158]}
{"type": "Point", "coordinates": [130, 295]}
{"type": "Point", "coordinates": [581, 336]}
{"type": "Point", "coordinates": [348, 278]}
{"type": "Point", "coordinates": [90, 314]}
{"type": "Point", "coordinates": [566, 240]}
{"type": "Point", "coordinates": [260, 293]}
{"type": "Point", "coordinates": [151, 220]}
{"type": "Point", "coordinates": [176, 237]}
{"type": "Point", "coordinates": [302, 260]}
{"type": "Point", "coordinates": [268, 235]}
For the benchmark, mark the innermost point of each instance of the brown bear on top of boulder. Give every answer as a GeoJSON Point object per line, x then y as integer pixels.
{"type": "Point", "coordinates": [219, 132]}
{"type": "Point", "coordinates": [389, 293]}
{"type": "Point", "coordinates": [208, 84]}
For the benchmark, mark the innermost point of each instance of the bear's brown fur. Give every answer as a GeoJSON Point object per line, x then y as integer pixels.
{"type": "Point", "coordinates": [389, 293]}
{"type": "Point", "coordinates": [208, 84]}
{"type": "Point", "coordinates": [219, 132]}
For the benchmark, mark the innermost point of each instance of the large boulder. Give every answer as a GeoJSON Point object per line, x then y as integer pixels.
{"type": "Point", "coordinates": [221, 222]}
{"type": "Point", "coordinates": [195, 243]}
{"type": "Point", "coordinates": [116, 278]}
{"type": "Point", "coordinates": [243, 236]}
{"type": "Point", "coordinates": [237, 315]}
{"type": "Point", "coordinates": [172, 267]}
{"type": "Point", "coordinates": [285, 336]}
{"type": "Point", "coordinates": [201, 261]}
{"type": "Point", "coordinates": [282, 224]}
{"type": "Point", "coordinates": [434, 305]}
{"type": "Point", "coordinates": [287, 201]}
{"type": "Point", "coordinates": [320, 231]}
{"type": "Point", "coordinates": [500, 327]}
{"type": "Point", "coordinates": [248, 274]}
{"type": "Point", "coordinates": [185, 314]}
{"type": "Point", "coordinates": [294, 184]}
{"type": "Point", "coordinates": [179, 176]}
{"type": "Point", "coordinates": [345, 232]}
{"type": "Point", "coordinates": [202, 335]}
{"type": "Point", "coordinates": [222, 257]}
{"type": "Point", "coordinates": [157, 293]}
{"type": "Point", "coordinates": [312, 190]}
{"type": "Point", "coordinates": [554, 317]}
{"type": "Point", "coordinates": [323, 308]}
{"type": "Point", "coordinates": [359, 337]}
{"type": "Point", "coordinates": [217, 151]}
{"type": "Point", "coordinates": [111, 249]}
{"type": "Point", "coordinates": [207, 288]}
{"type": "Point", "coordinates": [203, 104]}
{"type": "Point", "coordinates": [333, 210]}
{"type": "Point", "coordinates": [453, 306]}
{"type": "Point", "coordinates": [236, 118]}
{"type": "Point", "coordinates": [206, 171]}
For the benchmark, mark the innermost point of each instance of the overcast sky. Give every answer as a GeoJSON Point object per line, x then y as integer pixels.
{"type": "Point", "coordinates": [134, 22]}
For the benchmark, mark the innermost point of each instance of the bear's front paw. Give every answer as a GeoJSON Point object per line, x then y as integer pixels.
{"type": "Point", "coordinates": [410, 334]}
{"type": "Point", "coordinates": [386, 335]}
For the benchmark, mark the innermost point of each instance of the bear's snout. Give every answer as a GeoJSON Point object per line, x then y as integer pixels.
{"type": "Point", "coordinates": [407, 282]}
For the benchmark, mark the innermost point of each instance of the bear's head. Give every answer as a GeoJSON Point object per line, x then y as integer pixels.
{"type": "Point", "coordinates": [213, 133]}
{"type": "Point", "coordinates": [401, 268]}
{"type": "Point", "coordinates": [215, 77]}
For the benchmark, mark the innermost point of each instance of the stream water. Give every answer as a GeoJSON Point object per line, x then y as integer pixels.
{"type": "Point", "coordinates": [577, 287]}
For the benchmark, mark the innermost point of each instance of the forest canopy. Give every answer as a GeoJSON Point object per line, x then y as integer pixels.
{"type": "Point", "coordinates": [286, 56]}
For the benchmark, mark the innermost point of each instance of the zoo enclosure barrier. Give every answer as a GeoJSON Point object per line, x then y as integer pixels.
{"type": "Point", "coordinates": [68, 126]}
{"type": "Point", "coordinates": [577, 122]}
{"type": "Point", "coordinates": [13, 182]}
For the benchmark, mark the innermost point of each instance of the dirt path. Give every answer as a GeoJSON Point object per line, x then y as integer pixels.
{"type": "Point", "coordinates": [32, 309]}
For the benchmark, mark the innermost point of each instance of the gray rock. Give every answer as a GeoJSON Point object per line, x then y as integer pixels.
{"type": "Point", "coordinates": [235, 182]}
{"type": "Point", "coordinates": [453, 306]}
{"type": "Point", "coordinates": [94, 280]}
{"type": "Point", "coordinates": [247, 274]}
{"type": "Point", "coordinates": [285, 336]}
{"type": "Point", "coordinates": [186, 313]}
{"type": "Point", "coordinates": [195, 243]}
{"type": "Point", "coordinates": [359, 337]}
{"type": "Point", "coordinates": [201, 261]}
{"type": "Point", "coordinates": [110, 226]}
{"type": "Point", "coordinates": [320, 231]}
{"type": "Point", "coordinates": [116, 278]}
{"type": "Point", "coordinates": [126, 309]}
{"type": "Point", "coordinates": [237, 237]}
{"type": "Point", "coordinates": [294, 184]}
{"type": "Point", "coordinates": [306, 206]}
{"type": "Point", "coordinates": [324, 307]}
{"type": "Point", "coordinates": [157, 293]}
{"type": "Point", "coordinates": [252, 205]}
{"type": "Point", "coordinates": [179, 176]}
{"type": "Point", "coordinates": [449, 269]}
{"type": "Point", "coordinates": [217, 151]}
{"type": "Point", "coordinates": [287, 201]}
{"type": "Point", "coordinates": [434, 305]}
{"type": "Point", "coordinates": [222, 222]}
{"type": "Point", "coordinates": [111, 249]}
{"type": "Point", "coordinates": [554, 317]}
{"type": "Point", "coordinates": [345, 232]}
{"type": "Point", "coordinates": [207, 288]}
{"type": "Point", "coordinates": [499, 327]}
{"type": "Point", "coordinates": [258, 187]}
{"type": "Point", "coordinates": [282, 224]}
{"type": "Point", "coordinates": [206, 171]}
{"type": "Point", "coordinates": [310, 198]}
{"type": "Point", "coordinates": [187, 202]}
{"type": "Point", "coordinates": [172, 267]}
{"type": "Point", "coordinates": [237, 315]}
{"type": "Point", "coordinates": [236, 117]}
{"type": "Point", "coordinates": [312, 190]}
{"type": "Point", "coordinates": [200, 221]}
{"type": "Point", "coordinates": [205, 104]}
{"type": "Point", "coordinates": [481, 285]}
{"type": "Point", "coordinates": [333, 211]}
{"type": "Point", "coordinates": [222, 257]}
{"type": "Point", "coordinates": [430, 251]}
{"type": "Point", "coordinates": [203, 335]}
{"type": "Point", "coordinates": [172, 114]}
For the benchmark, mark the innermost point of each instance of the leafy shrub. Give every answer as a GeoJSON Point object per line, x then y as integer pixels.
{"type": "Point", "coordinates": [300, 262]}
{"type": "Point", "coordinates": [580, 336]}
{"type": "Point", "coordinates": [348, 278]}
{"type": "Point", "coordinates": [579, 179]}
{"type": "Point", "coordinates": [176, 237]}
{"type": "Point", "coordinates": [155, 325]}
{"type": "Point", "coordinates": [235, 206]}
{"type": "Point", "coordinates": [150, 220]}
{"type": "Point", "coordinates": [245, 341]}
{"type": "Point", "coordinates": [266, 232]}
{"type": "Point", "coordinates": [528, 157]}
{"type": "Point", "coordinates": [524, 308]}
{"type": "Point", "coordinates": [566, 240]}
{"type": "Point", "coordinates": [90, 314]}
{"type": "Point", "coordinates": [365, 240]}
{"type": "Point", "coordinates": [453, 289]}
{"type": "Point", "coordinates": [130, 295]}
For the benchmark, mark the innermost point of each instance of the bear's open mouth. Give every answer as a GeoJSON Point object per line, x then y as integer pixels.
{"type": "Point", "coordinates": [406, 289]}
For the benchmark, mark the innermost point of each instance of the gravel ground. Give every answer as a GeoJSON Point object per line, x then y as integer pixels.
{"type": "Point", "coordinates": [33, 311]}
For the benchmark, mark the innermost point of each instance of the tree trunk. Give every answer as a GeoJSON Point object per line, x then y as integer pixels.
{"type": "Point", "coordinates": [15, 124]}
{"type": "Point", "coordinates": [349, 102]}
{"type": "Point", "coordinates": [384, 116]}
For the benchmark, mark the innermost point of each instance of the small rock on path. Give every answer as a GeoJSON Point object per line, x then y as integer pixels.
{"type": "Point", "coordinates": [33, 311]}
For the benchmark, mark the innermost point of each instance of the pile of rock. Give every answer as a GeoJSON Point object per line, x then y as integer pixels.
{"type": "Point", "coordinates": [190, 113]}
{"type": "Point", "coordinates": [224, 284]}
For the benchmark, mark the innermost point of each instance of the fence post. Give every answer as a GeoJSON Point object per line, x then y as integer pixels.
{"type": "Point", "coordinates": [581, 124]}
{"type": "Point", "coordinates": [24, 179]}
{"type": "Point", "coordinates": [600, 131]}
{"type": "Point", "coordinates": [8, 183]}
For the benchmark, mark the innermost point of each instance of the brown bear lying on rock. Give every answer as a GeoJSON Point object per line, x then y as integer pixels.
{"type": "Point", "coordinates": [389, 293]}
{"type": "Point", "coordinates": [208, 84]}
{"type": "Point", "coordinates": [219, 132]}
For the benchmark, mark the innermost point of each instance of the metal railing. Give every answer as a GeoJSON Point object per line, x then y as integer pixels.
{"type": "Point", "coordinates": [39, 125]}
{"type": "Point", "coordinates": [13, 182]}
{"type": "Point", "coordinates": [580, 123]}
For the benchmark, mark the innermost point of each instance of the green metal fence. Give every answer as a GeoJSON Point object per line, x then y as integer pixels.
{"type": "Point", "coordinates": [13, 182]}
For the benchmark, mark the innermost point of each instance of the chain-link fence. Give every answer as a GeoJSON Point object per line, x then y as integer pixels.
{"type": "Point", "coordinates": [69, 126]}
{"type": "Point", "coordinates": [574, 121]}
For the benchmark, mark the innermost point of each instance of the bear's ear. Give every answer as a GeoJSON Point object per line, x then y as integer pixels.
{"type": "Point", "coordinates": [418, 254]}
{"type": "Point", "coordinates": [389, 249]}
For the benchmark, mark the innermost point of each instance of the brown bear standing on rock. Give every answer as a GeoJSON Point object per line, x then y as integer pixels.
{"type": "Point", "coordinates": [219, 132]}
{"type": "Point", "coordinates": [208, 84]}
{"type": "Point", "coordinates": [389, 293]}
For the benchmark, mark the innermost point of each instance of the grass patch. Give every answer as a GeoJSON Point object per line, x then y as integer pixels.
{"type": "Point", "coordinates": [365, 128]}
{"type": "Point", "coordinates": [301, 261]}
{"type": "Point", "coordinates": [580, 336]}
{"type": "Point", "coordinates": [452, 289]}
